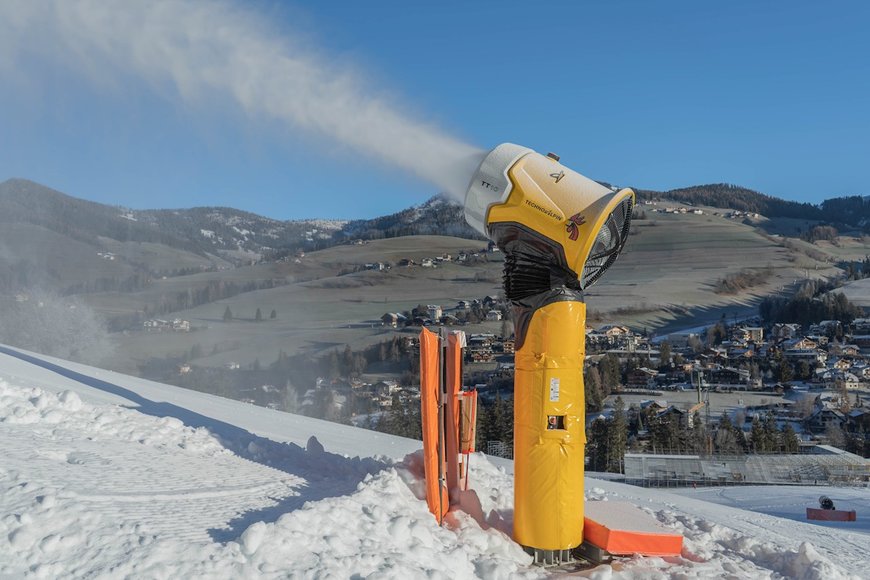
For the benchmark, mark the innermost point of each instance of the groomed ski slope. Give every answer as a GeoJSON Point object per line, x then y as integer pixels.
{"type": "Point", "coordinates": [107, 476]}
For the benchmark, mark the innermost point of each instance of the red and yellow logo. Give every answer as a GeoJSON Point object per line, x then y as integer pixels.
{"type": "Point", "coordinates": [573, 226]}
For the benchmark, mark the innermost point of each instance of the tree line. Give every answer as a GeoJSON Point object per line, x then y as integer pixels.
{"type": "Point", "coordinates": [813, 302]}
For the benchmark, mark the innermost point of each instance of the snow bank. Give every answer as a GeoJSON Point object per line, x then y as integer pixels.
{"type": "Point", "coordinates": [53, 414]}
{"type": "Point", "coordinates": [100, 490]}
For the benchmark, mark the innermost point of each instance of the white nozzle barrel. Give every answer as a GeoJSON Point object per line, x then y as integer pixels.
{"type": "Point", "coordinates": [491, 184]}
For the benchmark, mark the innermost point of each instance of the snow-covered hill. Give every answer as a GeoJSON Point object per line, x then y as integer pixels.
{"type": "Point", "coordinates": [105, 475]}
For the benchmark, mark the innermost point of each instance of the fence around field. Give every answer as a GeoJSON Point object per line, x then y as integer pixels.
{"type": "Point", "coordinates": [684, 470]}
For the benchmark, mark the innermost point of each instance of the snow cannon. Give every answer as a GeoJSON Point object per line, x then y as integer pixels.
{"type": "Point", "coordinates": [559, 232]}
{"type": "Point", "coordinates": [828, 512]}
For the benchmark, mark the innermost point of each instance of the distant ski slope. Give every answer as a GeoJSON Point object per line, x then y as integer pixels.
{"type": "Point", "coordinates": [109, 476]}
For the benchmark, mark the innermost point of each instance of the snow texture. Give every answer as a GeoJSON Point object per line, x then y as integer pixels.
{"type": "Point", "coordinates": [109, 476]}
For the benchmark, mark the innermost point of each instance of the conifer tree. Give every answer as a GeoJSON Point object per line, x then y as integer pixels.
{"type": "Point", "coordinates": [597, 448]}
{"type": "Point", "coordinates": [617, 437]}
{"type": "Point", "coordinates": [789, 440]}
{"type": "Point", "coordinates": [698, 436]}
{"type": "Point", "coordinates": [664, 354]}
{"type": "Point", "coordinates": [771, 434]}
{"type": "Point", "coordinates": [757, 437]}
{"type": "Point", "coordinates": [592, 384]}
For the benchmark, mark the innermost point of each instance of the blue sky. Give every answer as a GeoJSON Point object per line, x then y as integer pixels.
{"type": "Point", "coordinates": [769, 95]}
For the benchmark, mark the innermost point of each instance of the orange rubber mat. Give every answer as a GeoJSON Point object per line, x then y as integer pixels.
{"type": "Point", "coordinates": [621, 528]}
{"type": "Point", "coordinates": [831, 515]}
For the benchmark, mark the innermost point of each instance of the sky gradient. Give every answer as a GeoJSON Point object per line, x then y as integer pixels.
{"type": "Point", "coordinates": [768, 95]}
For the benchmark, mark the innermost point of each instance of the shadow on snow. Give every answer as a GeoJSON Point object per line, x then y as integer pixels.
{"type": "Point", "coordinates": [325, 474]}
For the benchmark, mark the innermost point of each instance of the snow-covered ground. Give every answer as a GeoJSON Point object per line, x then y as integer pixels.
{"type": "Point", "coordinates": [791, 502]}
{"type": "Point", "coordinates": [105, 475]}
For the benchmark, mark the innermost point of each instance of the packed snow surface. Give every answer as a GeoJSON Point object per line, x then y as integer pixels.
{"type": "Point", "coordinates": [110, 476]}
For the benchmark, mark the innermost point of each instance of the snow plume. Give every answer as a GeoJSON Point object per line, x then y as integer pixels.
{"type": "Point", "coordinates": [57, 326]}
{"type": "Point", "coordinates": [202, 48]}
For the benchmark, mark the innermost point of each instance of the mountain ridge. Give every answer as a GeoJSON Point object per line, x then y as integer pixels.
{"type": "Point", "coordinates": [112, 247]}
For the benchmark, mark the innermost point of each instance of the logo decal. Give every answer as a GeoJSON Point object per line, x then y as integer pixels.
{"type": "Point", "coordinates": [558, 176]}
{"type": "Point", "coordinates": [573, 225]}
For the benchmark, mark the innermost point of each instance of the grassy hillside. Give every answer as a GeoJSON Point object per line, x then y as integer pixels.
{"type": "Point", "coordinates": [677, 270]}
{"type": "Point", "coordinates": [669, 276]}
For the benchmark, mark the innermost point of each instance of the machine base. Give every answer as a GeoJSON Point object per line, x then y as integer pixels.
{"type": "Point", "coordinates": [592, 553]}
{"type": "Point", "coordinates": [548, 558]}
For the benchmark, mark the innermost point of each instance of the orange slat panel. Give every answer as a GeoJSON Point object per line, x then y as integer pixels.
{"type": "Point", "coordinates": [436, 494]}
{"type": "Point", "coordinates": [451, 433]}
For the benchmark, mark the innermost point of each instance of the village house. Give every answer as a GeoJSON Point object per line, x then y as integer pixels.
{"type": "Point", "coordinates": [861, 370]}
{"type": "Point", "coordinates": [481, 356]}
{"type": "Point", "coordinates": [641, 378]}
{"type": "Point", "coordinates": [740, 353]}
{"type": "Point", "coordinates": [179, 325]}
{"type": "Point", "coordinates": [613, 330]}
{"type": "Point", "coordinates": [481, 339]}
{"type": "Point", "coordinates": [844, 350]}
{"type": "Point", "coordinates": [812, 356]}
{"type": "Point", "coordinates": [753, 334]}
{"type": "Point", "coordinates": [834, 378]}
{"type": "Point", "coordinates": [384, 388]}
{"type": "Point", "coordinates": [158, 325]}
{"type": "Point", "coordinates": [731, 377]}
{"type": "Point", "coordinates": [490, 301]}
{"type": "Point", "coordinates": [841, 364]}
{"type": "Point", "coordinates": [858, 421]}
{"type": "Point", "coordinates": [155, 325]}
{"type": "Point", "coordinates": [493, 315]}
{"type": "Point", "coordinates": [826, 327]}
{"type": "Point", "coordinates": [820, 339]}
{"type": "Point", "coordinates": [393, 319]}
{"type": "Point", "coordinates": [505, 370]}
{"type": "Point", "coordinates": [824, 418]}
{"type": "Point", "coordinates": [654, 405]}
{"type": "Point", "coordinates": [685, 417]}
{"type": "Point", "coordinates": [785, 331]}
{"type": "Point", "coordinates": [449, 320]}
{"type": "Point", "coordinates": [803, 343]}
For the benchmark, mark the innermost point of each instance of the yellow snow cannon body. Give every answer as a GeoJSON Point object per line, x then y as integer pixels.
{"type": "Point", "coordinates": [559, 231]}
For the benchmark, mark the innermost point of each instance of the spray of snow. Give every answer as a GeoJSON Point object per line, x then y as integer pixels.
{"type": "Point", "coordinates": [196, 49]}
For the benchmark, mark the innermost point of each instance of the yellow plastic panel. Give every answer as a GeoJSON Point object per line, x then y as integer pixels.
{"type": "Point", "coordinates": [548, 462]}
{"type": "Point", "coordinates": [559, 203]}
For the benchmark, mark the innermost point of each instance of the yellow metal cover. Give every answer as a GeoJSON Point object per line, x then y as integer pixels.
{"type": "Point", "coordinates": [559, 203]}
{"type": "Point", "coordinates": [548, 461]}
